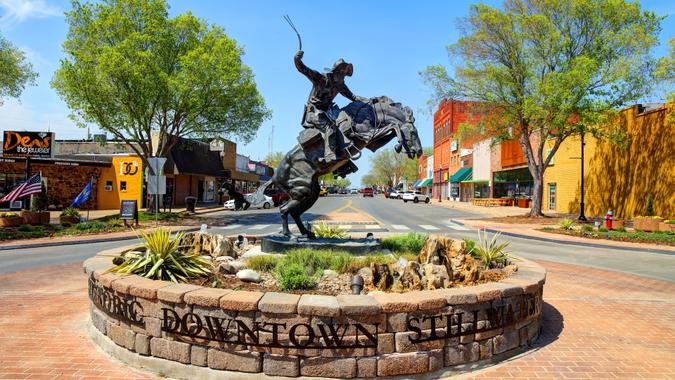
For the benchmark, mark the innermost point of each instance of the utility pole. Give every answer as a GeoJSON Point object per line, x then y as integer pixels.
{"type": "Point", "coordinates": [582, 205]}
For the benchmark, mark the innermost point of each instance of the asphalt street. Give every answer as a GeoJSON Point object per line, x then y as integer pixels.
{"type": "Point", "coordinates": [392, 216]}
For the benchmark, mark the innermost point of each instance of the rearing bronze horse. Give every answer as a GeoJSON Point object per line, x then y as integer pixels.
{"type": "Point", "coordinates": [366, 125]}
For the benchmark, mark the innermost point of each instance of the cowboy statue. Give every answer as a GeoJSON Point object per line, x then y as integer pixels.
{"type": "Point", "coordinates": [320, 111]}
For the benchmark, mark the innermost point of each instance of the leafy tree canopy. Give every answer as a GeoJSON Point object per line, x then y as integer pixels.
{"type": "Point", "coordinates": [134, 71]}
{"type": "Point", "coordinates": [15, 72]}
{"type": "Point", "coordinates": [547, 69]}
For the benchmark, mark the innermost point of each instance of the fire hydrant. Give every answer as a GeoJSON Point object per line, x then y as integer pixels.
{"type": "Point", "coordinates": [608, 219]}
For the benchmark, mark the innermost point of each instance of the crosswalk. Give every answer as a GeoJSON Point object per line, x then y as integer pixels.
{"type": "Point", "coordinates": [426, 228]}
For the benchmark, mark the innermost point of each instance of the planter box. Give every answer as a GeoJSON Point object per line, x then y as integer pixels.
{"type": "Point", "coordinates": [666, 227]}
{"type": "Point", "coordinates": [617, 224]}
{"type": "Point", "coordinates": [11, 222]}
{"type": "Point", "coordinates": [523, 202]}
{"type": "Point", "coordinates": [647, 224]}
{"type": "Point", "coordinates": [35, 218]}
{"type": "Point", "coordinates": [69, 219]}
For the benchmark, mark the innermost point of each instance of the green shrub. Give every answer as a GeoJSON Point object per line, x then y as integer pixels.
{"type": "Point", "coordinates": [114, 223]}
{"type": "Point", "coordinates": [489, 251]}
{"type": "Point", "coordinates": [90, 226]}
{"type": "Point", "coordinates": [622, 229]}
{"type": "Point", "coordinates": [265, 263]}
{"type": "Point", "coordinates": [650, 205]}
{"type": "Point", "coordinates": [548, 228]}
{"type": "Point", "coordinates": [567, 224]}
{"type": "Point", "coordinates": [470, 245]}
{"type": "Point", "coordinates": [586, 228]}
{"type": "Point", "coordinates": [291, 276]}
{"type": "Point", "coordinates": [411, 242]}
{"type": "Point", "coordinates": [26, 228]}
{"type": "Point", "coordinates": [671, 221]}
{"type": "Point", "coordinates": [322, 230]}
{"type": "Point", "coordinates": [70, 212]}
{"type": "Point", "coordinates": [603, 229]}
{"type": "Point", "coordinates": [162, 259]}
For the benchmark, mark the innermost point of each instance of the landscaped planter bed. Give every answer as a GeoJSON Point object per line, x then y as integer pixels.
{"type": "Point", "coordinates": [344, 336]}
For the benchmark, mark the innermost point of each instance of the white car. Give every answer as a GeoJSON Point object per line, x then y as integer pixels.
{"type": "Point", "coordinates": [267, 203]}
{"type": "Point", "coordinates": [394, 194]}
{"type": "Point", "coordinates": [353, 191]}
{"type": "Point", "coordinates": [415, 196]}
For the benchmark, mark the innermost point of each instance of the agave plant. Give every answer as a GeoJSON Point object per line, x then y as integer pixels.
{"type": "Point", "coordinates": [489, 251]}
{"type": "Point", "coordinates": [163, 260]}
{"type": "Point", "coordinates": [567, 224]}
{"type": "Point", "coordinates": [322, 230]}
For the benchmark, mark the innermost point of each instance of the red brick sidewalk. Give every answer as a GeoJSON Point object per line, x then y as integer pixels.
{"type": "Point", "coordinates": [597, 324]}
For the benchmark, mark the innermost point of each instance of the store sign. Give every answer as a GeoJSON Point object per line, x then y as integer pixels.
{"type": "Point", "coordinates": [453, 146]}
{"type": "Point", "coordinates": [128, 168]}
{"type": "Point", "coordinates": [27, 144]}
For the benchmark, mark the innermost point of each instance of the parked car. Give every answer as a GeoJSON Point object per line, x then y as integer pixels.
{"type": "Point", "coordinates": [394, 194]}
{"type": "Point", "coordinates": [368, 192]}
{"type": "Point", "coordinates": [332, 190]}
{"type": "Point", "coordinates": [267, 203]}
{"type": "Point", "coordinates": [343, 191]}
{"type": "Point", "coordinates": [353, 191]}
{"type": "Point", "coordinates": [415, 196]}
{"type": "Point", "coordinates": [278, 196]}
{"type": "Point", "coordinates": [387, 193]}
{"type": "Point", "coordinates": [323, 192]}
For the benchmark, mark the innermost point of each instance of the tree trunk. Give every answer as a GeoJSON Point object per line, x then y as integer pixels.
{"type": "Point", "coordinates": [537, 194]}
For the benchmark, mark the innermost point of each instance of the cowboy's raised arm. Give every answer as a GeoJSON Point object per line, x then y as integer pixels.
{"type": "Point", "coordinates": [313, 75]}
{"type": "Point", "coordinates": [347, 93]}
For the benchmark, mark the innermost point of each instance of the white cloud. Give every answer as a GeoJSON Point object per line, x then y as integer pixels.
{"type": "Point", "coordinates": [15, 116]}
{"type": "Point", "coordinates": [17, 11]}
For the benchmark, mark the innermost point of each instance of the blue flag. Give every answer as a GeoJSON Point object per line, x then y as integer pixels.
{"type": "Point", "coordinates": [84, 195]}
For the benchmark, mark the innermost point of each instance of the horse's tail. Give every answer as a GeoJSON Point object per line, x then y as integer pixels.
{"type": "Point", "coordinates": [259, 196]}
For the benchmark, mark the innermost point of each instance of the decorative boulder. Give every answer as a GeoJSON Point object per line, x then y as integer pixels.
{"type": "Point", "coordinates": [382, 277]}
{"type": "Point", "coordinates": [435, 276]}
{"type": "Point", "coordinates": [367, 275]}
{"type": "Point", "coordinates": [206, 244]}
{"type": "Point", "coordinates": [441, 250]}
{"type": "Point", "coordinates": [248, 275]}
{"type": "Point", "coordinates": [410, 278]}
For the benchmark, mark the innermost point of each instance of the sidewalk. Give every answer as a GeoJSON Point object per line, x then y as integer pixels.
{"type": "Point", "coordinates": [530, 230]}
{"type": "Point", "coordinates": [596, 324]}
{"type": "Point", "coordinates": [486, 211]}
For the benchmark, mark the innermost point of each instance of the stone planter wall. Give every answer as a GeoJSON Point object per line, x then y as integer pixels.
{"type": "Point", "coordinates": [347, 336]}
{"type": "Point", "coordinates": [646, 224]}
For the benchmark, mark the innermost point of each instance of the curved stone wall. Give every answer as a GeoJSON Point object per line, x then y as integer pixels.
{"type": "Point", "coordinates": [346, 336]}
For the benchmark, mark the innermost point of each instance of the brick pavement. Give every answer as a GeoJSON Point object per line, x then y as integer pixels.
{"type": "Point", "coordinates": [597, 324]}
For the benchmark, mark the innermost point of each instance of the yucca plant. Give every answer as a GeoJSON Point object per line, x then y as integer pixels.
{"type": "Point", "coordinates": [567, 224]}
{"type": "Point", "coordinates": [322, 230]}
{"type": "Point", "coordinates": [162, 259]}
{"type": "Point", "coordinates": [489, 251]}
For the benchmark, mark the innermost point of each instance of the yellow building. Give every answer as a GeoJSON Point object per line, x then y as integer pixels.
{"type": "Point", "coordinates": [618, 178]}
{"type": "Point", "coordinates": [121, 181]}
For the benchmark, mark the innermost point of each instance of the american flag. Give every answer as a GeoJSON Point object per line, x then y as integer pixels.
{"type": "Point", "coordinates": [32, 186]}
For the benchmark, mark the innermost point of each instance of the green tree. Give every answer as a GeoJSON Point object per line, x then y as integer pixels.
{"type": "Point", "coordinates": [273, 159]}
{"type": "Point", "coordinates": [134, 71]}
{"type": "Point", "coordinates": [390, 168]}
{"type": "Point", "coordinates": [550, 69]}
{"type": "Point", "coordinates": [15, 72]}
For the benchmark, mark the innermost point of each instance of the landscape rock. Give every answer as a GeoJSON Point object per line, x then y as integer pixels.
{"type": "Point", "coordinates": [206, 244]}
{"type": "Point", "coordinates": [329, 275]}
{"type": "Point", "coordinates": [382, 276]}
{"type": "Point", "coordinates": [410, 279]}
{"type": "Point", "coordinates": [436, 276]}
{"type": "Point", "coordinates": [248, 275]}
{"type": "Point", "coordinates": [367, 275]}
{"type": "Point", "coordinates": [226, 268]}
{"type": "Point", "coordinates": [224, 258]}
{"type": "Point", "coordinates": [441, 250]}
{"type": "Point", "coordinates": [238, 265]}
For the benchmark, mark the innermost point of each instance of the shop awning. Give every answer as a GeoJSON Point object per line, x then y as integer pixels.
{"type": "Point", "coordinates": [417, 183]}
{"type": "Point", "coordinates": [476, 181]}
{"type": "Point", "coordinates": [461, 175]}
{"type": "Point", "coordinates": [426, 182]}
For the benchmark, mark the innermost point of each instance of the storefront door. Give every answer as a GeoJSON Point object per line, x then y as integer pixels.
{"type": "Point", "coordinates": [551, 196]}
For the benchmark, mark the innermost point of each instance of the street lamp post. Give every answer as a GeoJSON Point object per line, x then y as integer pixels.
{"type": "Point", "coordinates": [582, 217]}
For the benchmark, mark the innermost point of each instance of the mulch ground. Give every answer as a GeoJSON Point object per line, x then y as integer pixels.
{"type": "Point", "coordinates": [597, 324]}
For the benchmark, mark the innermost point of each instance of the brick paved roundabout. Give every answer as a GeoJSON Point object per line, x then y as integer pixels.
{"type": "Point", "coordinates": [596, 324]}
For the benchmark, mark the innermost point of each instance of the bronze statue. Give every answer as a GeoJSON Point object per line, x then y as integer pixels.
{"type": "Point", "coordinates": [320, 111]}
{"type": "Point", "coordinates": [364, 123]}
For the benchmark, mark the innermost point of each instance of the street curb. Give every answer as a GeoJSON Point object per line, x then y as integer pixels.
{"type": "Point", "coordinates": [583, 244]}
{"type": "Point", "coordinates": [78, 242]}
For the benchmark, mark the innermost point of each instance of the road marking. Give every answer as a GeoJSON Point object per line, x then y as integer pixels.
{"type": "Point", "coordinates": [259, 227]}
{"type": "Point", "coordinates": [456, 226]}
{"type": "Point", "coordinates": [429, 227]}
{"type": "Point", "coordinates": [399, 227]}
{"type": "Point", "coordinates": [372, 227]}
{"type": "Point", "coordinates": [232, 226]}
{"type": "Point", "coordinates": [344, 226]}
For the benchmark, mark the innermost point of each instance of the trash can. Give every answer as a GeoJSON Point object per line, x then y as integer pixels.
{"type": "Point", "coordinates": [190, 203]}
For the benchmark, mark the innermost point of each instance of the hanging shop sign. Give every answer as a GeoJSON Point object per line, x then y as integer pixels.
{"type": "Point", "coordinates": [27, 144]}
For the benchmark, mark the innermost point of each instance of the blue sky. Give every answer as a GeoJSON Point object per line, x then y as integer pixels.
{"type": "Point", "coordinates": [388, 43]}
